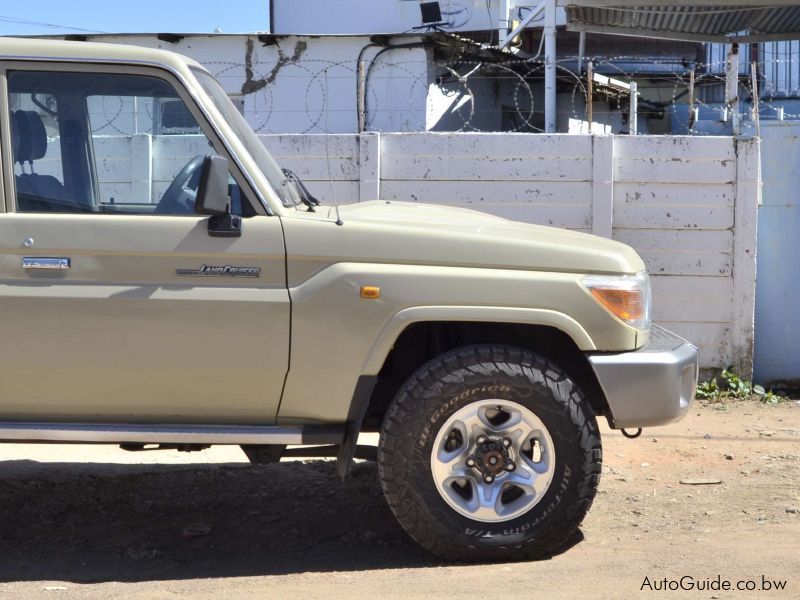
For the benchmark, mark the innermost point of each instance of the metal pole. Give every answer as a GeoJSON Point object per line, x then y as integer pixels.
{"type": "Point", "coordinates": [581, 51]}
{"type": "Point", "coordinates": [502, 23]}
{"type": "Point", "coordinates": [732, 87]}
{"type": "Point", "coordinates": [549, 33]}
{"type": "Point", "coordinates": [362, 96]}
{"type": "Point", "coordinates": [590, 94]}
{"type": "Point", "coordinates": [691, 99]}
{"type": "Point", "coordinates": [756, 100]}
{"type": "Point", "coordinates": [633, 117]}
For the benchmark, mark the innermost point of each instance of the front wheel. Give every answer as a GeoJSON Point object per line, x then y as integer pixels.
{"type": "Point", "coordinates": [490, 453]}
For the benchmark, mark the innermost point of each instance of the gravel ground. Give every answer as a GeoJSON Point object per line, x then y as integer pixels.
{"type": "Point", "coordinates": [717, 495]}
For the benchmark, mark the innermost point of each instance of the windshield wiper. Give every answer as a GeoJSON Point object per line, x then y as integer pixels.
{"type": "Point", "coordinates": [305, 196]}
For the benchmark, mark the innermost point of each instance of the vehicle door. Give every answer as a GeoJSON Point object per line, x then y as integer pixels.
{"type": "Point", "coordinates": [116, 304]}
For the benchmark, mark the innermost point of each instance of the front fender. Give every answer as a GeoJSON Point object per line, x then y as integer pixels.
{"type": "Point", "coordinates": [339, 336]}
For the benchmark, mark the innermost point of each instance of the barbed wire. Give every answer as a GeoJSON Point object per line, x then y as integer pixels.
{"type": "Point", "coordinates": [463, 94]}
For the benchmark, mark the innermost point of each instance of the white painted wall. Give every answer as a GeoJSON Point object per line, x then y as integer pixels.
{"type": "Point", "coordinates": [308, 84]}
{"type": "Point", "coordinates": [676, 200]}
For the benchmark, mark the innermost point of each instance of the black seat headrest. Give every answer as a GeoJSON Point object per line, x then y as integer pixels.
{"type": "Point", "coordinates": [38, 135]}
{"type": "Point", "coordinates": [28, 135]}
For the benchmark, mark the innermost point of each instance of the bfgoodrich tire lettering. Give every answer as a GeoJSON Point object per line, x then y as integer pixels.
{"type": "Point", "coordinates": [455, 380]}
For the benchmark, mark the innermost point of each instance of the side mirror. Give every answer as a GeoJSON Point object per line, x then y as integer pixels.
{"type": "Point", "coordinates": [212, 199]}
{"type": "Point", "coordinates": [212, 191]}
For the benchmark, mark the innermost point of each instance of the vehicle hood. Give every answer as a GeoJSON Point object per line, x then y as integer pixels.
{"type": "Point", "coordinates": [439, 234]}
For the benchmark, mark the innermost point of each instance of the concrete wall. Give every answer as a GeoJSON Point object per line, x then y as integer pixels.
{"type": "Point", "coordinates": [687, 204]}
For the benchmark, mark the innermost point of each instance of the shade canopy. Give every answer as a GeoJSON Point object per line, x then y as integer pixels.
{"type": "Point", "coordinates": [730, 22]}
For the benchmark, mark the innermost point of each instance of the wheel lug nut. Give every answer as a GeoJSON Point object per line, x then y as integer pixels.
{"type": "Point", "coordinates": [511, 466]}
{"type": "Point", "coordinates": [470, 462]}
{"type": "Point", "coordinates": [481, 439]}
{"type": "Point", "coordinates": [507, 442]}
{"type": "Point", "coordinates": [488, 478]}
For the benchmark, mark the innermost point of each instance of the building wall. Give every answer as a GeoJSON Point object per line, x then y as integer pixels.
{"type": "Point", "coordinates": [367, 17]}
{"type": "Point", "coordinates": [300, 84]}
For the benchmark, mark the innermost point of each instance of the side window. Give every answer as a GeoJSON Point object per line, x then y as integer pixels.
{"type": "Point", "coordinates": [105, 143]}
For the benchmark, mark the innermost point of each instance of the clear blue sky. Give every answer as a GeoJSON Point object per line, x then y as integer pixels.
{"type": "Point", "coordinates": [132, 16]}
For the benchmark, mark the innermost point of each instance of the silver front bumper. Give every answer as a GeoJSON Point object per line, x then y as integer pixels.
{"type": "Point", "coordinates": [651, 386]}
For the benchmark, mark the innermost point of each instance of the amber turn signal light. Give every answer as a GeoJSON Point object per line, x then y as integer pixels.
{"type": "Point", "coordinates": [626, 304]}
{"type": "Point", "coordinates": [370, 292]}
{"type": "Point", "coordinates": [627, 297]}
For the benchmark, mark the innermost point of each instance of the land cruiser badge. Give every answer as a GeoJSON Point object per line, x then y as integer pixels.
{"type": "Point", "coordinates": [221, 271]}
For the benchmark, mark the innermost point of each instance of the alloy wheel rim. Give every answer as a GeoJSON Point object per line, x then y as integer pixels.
{"type": "Point", "coordinates": [493, 460]}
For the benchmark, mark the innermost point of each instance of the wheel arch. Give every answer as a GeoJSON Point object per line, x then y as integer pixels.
{"type": "Point", "coordinates": [401, 321]}
{"type": "Point", "coordinates": [421, 340]}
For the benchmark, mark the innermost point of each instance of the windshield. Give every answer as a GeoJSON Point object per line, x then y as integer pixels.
{"type": "Point", "coordinates": [280, 184]}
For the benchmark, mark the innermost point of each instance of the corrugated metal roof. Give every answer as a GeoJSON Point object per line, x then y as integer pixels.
{"type": "Point", "coordinates": [681, 20]}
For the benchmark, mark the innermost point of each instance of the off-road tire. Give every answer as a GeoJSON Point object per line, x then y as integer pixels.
{"type": "Point", "coordinates": [423, 405]}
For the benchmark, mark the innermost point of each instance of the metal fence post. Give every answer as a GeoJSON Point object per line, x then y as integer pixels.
{"type": "Point", "coordinates": [550, 110]}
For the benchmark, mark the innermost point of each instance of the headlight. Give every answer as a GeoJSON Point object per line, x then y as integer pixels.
{"type": "Point", "coordinates": [627, 297]}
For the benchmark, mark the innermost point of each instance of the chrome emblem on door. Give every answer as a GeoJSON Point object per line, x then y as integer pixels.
{"type": "Point", "coordinates": [220, 271]}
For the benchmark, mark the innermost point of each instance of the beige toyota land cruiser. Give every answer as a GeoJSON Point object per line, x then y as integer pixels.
{"type": "Point", "coordinates": [164, 282]}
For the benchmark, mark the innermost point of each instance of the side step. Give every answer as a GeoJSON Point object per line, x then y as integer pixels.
{"type": "Point", "coordinates": [115, 433]}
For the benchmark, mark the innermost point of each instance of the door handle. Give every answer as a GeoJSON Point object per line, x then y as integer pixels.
{"type": "Point", "coordinates": [46, 263]}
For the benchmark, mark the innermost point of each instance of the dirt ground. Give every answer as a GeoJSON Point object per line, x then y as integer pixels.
{"type": "Point", "coordinates": [74, 525]}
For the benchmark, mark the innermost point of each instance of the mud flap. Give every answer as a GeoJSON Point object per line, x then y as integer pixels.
{"type": "Point", "coordinates": [355, 417]}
